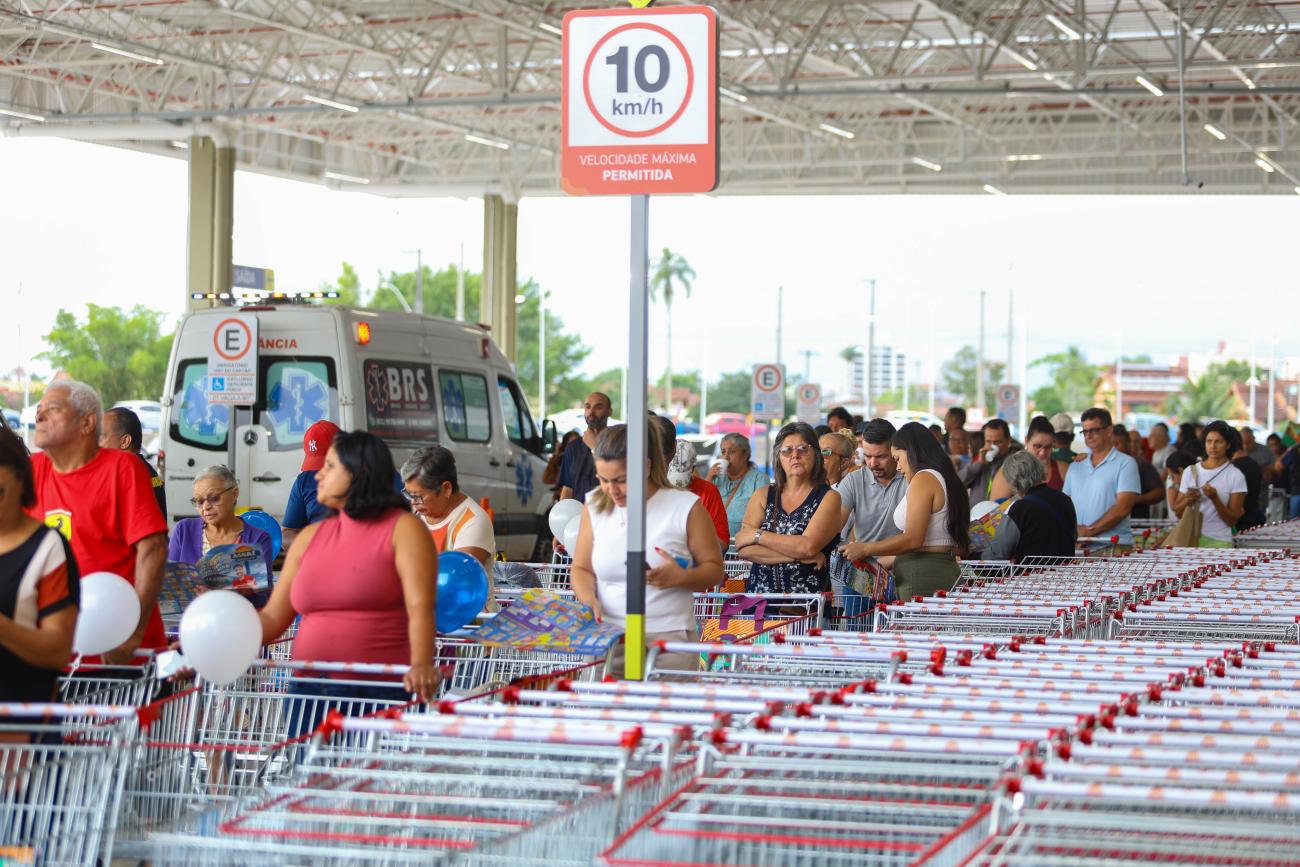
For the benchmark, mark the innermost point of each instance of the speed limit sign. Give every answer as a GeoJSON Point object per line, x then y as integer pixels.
{"type": "Point", "coordinates": [640, 101]}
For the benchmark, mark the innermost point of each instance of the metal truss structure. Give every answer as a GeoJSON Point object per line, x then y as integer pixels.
{"type": "Point", "coordinates": [436, 97]}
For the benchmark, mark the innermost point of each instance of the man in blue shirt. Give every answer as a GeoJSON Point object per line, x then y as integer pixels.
{"type": "Point", "coordinates": [578, 470]}
{"type": "Point", "coordinates": [302, 508]}
{"type": "Point", "coordinates": [1105, 486]}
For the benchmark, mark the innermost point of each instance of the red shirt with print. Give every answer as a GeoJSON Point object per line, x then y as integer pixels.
{"type": "Point", "coordinates": [103, 509]}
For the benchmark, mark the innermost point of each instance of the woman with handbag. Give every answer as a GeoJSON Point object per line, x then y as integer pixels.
{"type": "Point", "coordinates": [1214, 487]}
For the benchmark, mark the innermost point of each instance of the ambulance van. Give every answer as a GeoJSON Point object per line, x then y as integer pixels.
{"type": "Point", "coordinates": [413, 380]}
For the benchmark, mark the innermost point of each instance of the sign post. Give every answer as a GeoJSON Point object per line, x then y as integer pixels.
{"type": "Point", "coordinates": [808, 403]}
{"type": "Point", "coordinates": [639, 115]}
{"type": "Point", "coordinates": [232, 361]}
{"type": "Point", "coordinates": [1009, 402]}
{"type": "Point", "coordinates": [767, 401]}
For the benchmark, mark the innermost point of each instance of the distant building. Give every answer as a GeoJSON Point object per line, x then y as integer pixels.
{"type": "Point", "coordinates": [1144, 385]}
{"type": "Point", "coordinates": [888, 370]}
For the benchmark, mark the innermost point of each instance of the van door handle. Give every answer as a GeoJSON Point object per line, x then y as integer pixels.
{"type": "Point", "coordinates": [510, 463]}
{"type": "Point", "coordinates": [493, 462]}
{"type": "Point", "coordinates": [268, 477]}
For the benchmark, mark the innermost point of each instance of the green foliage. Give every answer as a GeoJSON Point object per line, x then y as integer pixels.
{"type": "Point", "coordinates": [959, 376]}
{"type": "Point", "coordinates": [564, 352]}
{"type": "Point", "coordinates": [1144, 358]}
{"type": "Point", "coordinates": [1205, 398]}
{"type": "Point", "coordinates": [731, 392]}
{"type": "Point", "coordinates": [1074, 382]}
{"type": "Point", "coordinates": [122, 355]}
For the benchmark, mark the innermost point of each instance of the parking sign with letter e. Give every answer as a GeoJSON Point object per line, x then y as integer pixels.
{"type": "Point", "coordinates": [640, 101]}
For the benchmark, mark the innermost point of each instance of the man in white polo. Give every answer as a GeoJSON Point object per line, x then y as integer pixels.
{"type": "Point", "coordinates": [1105, 485]}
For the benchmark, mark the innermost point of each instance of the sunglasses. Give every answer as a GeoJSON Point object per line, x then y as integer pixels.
{"type": "Point", "coordinates": [200, 502]}
{"type": "Point", "coordinates": [787, 451]}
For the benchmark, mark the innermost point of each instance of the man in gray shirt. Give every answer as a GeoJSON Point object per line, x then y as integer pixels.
{"type": "Point", "coordinates": [870, 495]}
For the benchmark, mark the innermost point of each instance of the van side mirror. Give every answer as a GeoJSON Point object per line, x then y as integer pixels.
{"type": "Point", "coordinates": [549, 438]}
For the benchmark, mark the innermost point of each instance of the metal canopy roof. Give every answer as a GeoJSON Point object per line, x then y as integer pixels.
{"type": "Point", "coordinates": [429, 97]}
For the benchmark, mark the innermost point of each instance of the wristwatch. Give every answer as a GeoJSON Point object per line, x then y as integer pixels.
{"type": "Point", "coordinates": [758, 534]}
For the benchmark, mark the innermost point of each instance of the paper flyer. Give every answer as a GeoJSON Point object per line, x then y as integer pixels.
{"type": "Point", "coordinates": [233, 567]}
{"type": "Point", "coordinates": [538, 620]}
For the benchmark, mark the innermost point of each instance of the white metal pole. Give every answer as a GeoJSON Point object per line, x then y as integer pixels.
{"type": "Point", "coordinates": [419, 281]}
{"type": "Point", "coordinates": [929, 352]}
{"type": "Point", "coordinates": [1024, 376]}
{"type": "Point", "coordinates": [460, 286]}
{"type": "Point", "coordinates": [639, 312]}
{"type": "Point", "coordinates": [541, 351]}
{"type": "Point", "coordinates": [871, 355]}
{"type": "Point", "coordinates": [1119, 378]}
{"type": "Point", "coordinates": [1254, 383]}
{"type": "Point", "coordinates": [1272, 382]}
{"type": "Point", "coordinates": [979, 364]}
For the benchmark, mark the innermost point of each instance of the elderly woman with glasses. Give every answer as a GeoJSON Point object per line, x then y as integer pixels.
{"type": "Point", "coordinates": [1042, 522]}
{"type": "Point", "coordinates": [791, 528]}
{"type": "Point", "coordinates": [736, 478]}
{"type": "Point", "coordinates": [431, 485]}
{"type": "Point", "coordinates": [216, 490]}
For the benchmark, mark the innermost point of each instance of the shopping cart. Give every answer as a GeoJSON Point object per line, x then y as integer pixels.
{"type": "Point", "coordinates": [433, 789]}
{"type": "Point", "coordinates": [61, 776]}
{"type": "Point", "coordinates": [102, 684]}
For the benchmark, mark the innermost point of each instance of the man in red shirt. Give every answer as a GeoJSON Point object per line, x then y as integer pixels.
{"type": "Point", "coordinates": [102, 503]}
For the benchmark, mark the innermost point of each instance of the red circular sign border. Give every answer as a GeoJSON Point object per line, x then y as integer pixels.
{"type": "Point", "coordinates": [242, 324]}
{"type": "Point", "coordinates": [586, 80]}
{"type": "Point", "coordinates": [761, 368]}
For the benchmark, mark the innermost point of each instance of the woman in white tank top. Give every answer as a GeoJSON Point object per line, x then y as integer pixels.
{"type": "Point", "coordinates": [932, 517]}
{"type": "Point", "coordinates": [681, 550]}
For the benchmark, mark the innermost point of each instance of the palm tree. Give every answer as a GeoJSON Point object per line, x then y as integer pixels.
{"type": "Point", "coordinates": [851, 354]}
{"type": "Point", "coordinates": [1208, 397]}
{"type": "Point", "coordinates": [670, 270]}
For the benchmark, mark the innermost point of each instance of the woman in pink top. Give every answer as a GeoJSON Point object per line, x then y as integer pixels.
{"type": "Point", "coordinates": [364, 579]}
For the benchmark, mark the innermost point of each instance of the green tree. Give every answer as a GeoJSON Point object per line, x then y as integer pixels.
{"type": "Point", "coordinates": [959, 375]}
{"type": "Point", "coordinates": [565, 352]}
{"type": "Point", "coordinates": [731, 392]}
{"type": "Point", "coordinates": [1074, 382]}
{"type": "Point", "coordinates": [121, 354]}
{"type": "Point", "coordinates": [1205, 398]}
{"type": "Point", "coordinates": [667, 272]}
{"type": "Point", "coordinates": [850, 354]}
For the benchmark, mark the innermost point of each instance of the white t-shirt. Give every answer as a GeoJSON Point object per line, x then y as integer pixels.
{"type": "Point", "coordinates": [1226, 481]}
{"type": "Point", "coordinates": [468, 526]}
{"type": "Point", "coordinates": [665, 527]}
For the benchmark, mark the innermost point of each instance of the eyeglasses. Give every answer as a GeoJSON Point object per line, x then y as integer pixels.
{"type": "Point", "coordinates": [417, 499]}
{"type": "Point", "coordinates": [801, 450]}
{"type": "Point", "coordinates": [1092, 430]}
{"type": "Point", "coordinates": [827, 452]}
{"type": "Point", "coordinates": [200, 502]}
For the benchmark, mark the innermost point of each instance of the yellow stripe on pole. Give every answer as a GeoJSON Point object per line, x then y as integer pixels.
{"type": "Point", "coordinates": [634, 647]}
{"type": "Point", "coordinates": [640, 4]}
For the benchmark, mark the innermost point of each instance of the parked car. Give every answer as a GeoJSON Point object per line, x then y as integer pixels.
{"type": "Point", "coordinates": [148, 411]}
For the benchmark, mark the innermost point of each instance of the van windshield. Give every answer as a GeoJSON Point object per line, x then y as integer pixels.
{"type": "Point", "coordinates": [295, 393]}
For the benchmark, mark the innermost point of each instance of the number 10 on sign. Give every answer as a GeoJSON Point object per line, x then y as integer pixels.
{"type": "Point", "coordinates": [640, 94]}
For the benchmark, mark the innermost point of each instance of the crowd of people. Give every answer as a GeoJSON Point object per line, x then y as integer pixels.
{"type": "Point", "coordinates": [857, 494]}
{"type": "Point", "coordinates": [361, 537]}
{"type": "Point", "coordinates": [359, 572]}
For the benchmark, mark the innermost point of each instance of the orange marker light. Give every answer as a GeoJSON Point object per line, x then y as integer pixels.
{"type": "Point", "coordinates": [363, 333]}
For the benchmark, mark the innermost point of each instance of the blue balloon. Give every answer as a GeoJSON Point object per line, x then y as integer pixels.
{"type": "Point", "coordinates": [462, 590]}
{"type": "Point", "coordinates": [264, 522]}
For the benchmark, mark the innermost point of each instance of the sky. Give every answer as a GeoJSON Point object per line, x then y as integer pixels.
{"type": "Point", "coordinates": [1163, 275]}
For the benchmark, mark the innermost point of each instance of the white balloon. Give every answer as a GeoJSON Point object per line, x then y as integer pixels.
{"type": "Point", "coordinates": [220, 635]}
{"type": "Point", "coordinates": [108, 614]}
{"type": "Point", "coordinates": [561, 514]}
{"type": "Point", "coordinates": [570, 538]}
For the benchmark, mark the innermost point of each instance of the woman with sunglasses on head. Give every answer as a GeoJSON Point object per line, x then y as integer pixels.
{"type": "Point", "coordinates": [216, 490]}
{"type": "Point", "coordinates": [934, 517]}
{"type": "Point", "coordinates": [791, 528]}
